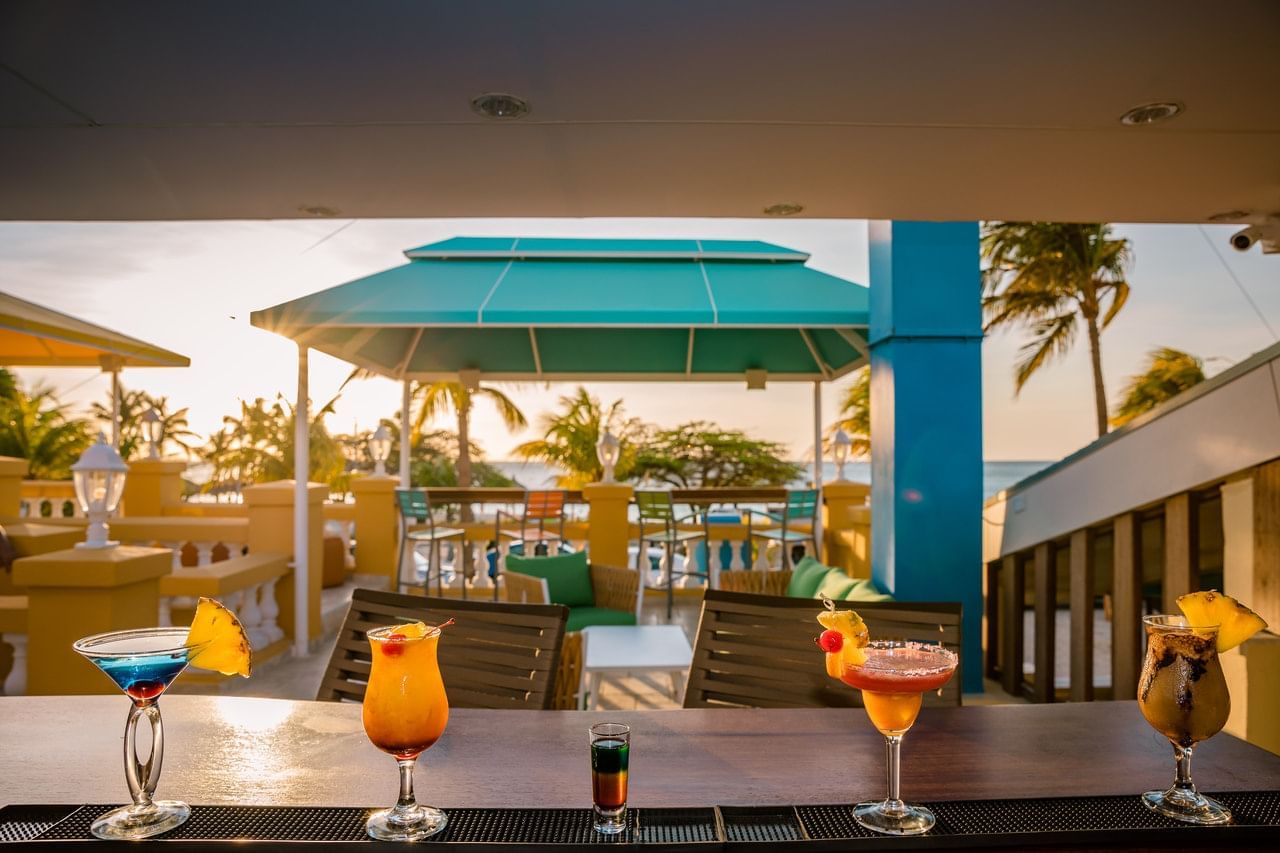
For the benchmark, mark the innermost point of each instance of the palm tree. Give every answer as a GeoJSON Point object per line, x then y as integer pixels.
{"type": "Point", "coordinates": [133, 406]}
{"type": "Point", "coordinates": [257, 446]}
{"type": "Point", "coordinates": [35, 426]}
{"type": "Point", "coordinates": [1050, 276]}
{"type": "Point", "coordinates": [571, 434]}
{"type": "Point", "coordinates": [1169, 372]}
{"type": "Point", "coordinates": [855, 414]}
{"type": "Point", "coordinates": [439, 397]}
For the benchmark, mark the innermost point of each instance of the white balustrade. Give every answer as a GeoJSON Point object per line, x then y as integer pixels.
{"type": "Point", "coordinates": [270, 612]}
{"type": "Point", "coordinates": [16, 682]}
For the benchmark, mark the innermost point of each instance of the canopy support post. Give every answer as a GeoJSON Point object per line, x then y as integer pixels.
{"type": "Point", "coordinates": [301, 521]}
{"type": "Point", "coordinates": [115, 406]}
{"type": "Point", "coordinates": [817, 467]}
{"type": "Point", "coordinates": [406, 399]}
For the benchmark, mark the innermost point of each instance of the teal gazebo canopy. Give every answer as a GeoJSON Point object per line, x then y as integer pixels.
{"type": "Point", "coordinates": [520, 309]}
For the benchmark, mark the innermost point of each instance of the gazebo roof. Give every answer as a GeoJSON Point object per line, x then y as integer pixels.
{"type": "Point", "coordinates": [588, 309]}
{"type": "Point", "coordinates": [32, 335]}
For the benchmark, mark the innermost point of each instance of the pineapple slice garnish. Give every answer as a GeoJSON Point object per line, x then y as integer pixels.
{"type": "Point", "coordinates": [854, 637]}
{"type": "Point", "coordinates": [220, 640]}
{"type": "Point", "coordinates": [1236, 623]}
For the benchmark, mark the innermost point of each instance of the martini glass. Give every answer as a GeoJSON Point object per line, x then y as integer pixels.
{"type": "Point", "coordinates": [142, 663]}
{"type": "Point", "coordinates": [893, 680]}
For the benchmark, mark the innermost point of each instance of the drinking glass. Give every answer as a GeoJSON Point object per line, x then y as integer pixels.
{"type": "Point", "coordinates": [893, 679]}
{"type": "Point", "coordinates": [1183, 695]}
{"type": "Point", "coordinates": [142, 663]}
{"type": "Point", "coordinates": [610, 754]}
{"type": "Point", "coordinates": [405, 712]}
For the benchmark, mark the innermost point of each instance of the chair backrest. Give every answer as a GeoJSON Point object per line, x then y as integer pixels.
{"type": "Point", "coordinates": [414, 504]}
{"type": "Point", "coordinates": [757, 651]}
{"type": "Point", "coordinates": [495, 655]}
{"type": "Point", "coordinates": [543, 505]}
{"type": "Point", "coordinates": [654, 506]}
{"type": "Point", "coordinates": [802, 504]}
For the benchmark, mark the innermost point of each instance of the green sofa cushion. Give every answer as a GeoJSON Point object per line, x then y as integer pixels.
{"type": "Point", "coordinates": [805, 578]}
{"type": "Point", "coordinates": [835, 585]}
{"type": "Point", "coordinates": [865, 590]}
{"type": "Point", "coordinates": [585, 617]}
{"type": "Point", "coordinates": [567, 576]}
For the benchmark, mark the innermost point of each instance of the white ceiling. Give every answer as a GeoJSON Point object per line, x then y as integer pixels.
{"type": "Point", "coordinates": [931, 110]}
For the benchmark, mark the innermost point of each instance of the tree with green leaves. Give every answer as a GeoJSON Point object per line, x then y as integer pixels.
{"type": "Point", "coordinates": [1168, 373]}
{"type": "Point", "coordinates": [439, 398]}
{"type": "Point", "coordinates": [1055, 277]}
{"type": "Point", "coordinates": [37, 427]}
{"type": "Point", "coordinates": [431, 457]}
{"type": "Point", "coordinates": [133, 406]}
{"type": "Point", "coordinates": [700, 455]}
{"type": "Point", "coordinates": [855, 414]}
{"type": "Point", "coordinates": [570, 435]}
{"type": "Point", "coordinates": [257, 446]}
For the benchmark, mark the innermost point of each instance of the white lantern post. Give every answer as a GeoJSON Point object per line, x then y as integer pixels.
{"type": "Point", "coordinates": [608, 449]}
{"type": "Point", "coordinates": [840, 451]}
{"type": "Point", "coordinates": [99, 482]}
{"type": "Point", "coordinates": [151, 432]}
{"type": "Point", "coordinates": [380, 449]}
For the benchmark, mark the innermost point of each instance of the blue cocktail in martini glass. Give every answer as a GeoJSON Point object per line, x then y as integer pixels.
{"type": "Point", "coordinates": [142, 663]}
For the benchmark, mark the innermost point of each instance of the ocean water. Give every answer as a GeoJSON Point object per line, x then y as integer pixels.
{"type": "Point", "coordinates": [996, 475]}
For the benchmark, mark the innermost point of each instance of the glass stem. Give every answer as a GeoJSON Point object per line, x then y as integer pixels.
{"type": "Point", "coordinates": [142, 777]}
{"type": "Point", "coordinates": [1182, 782]}
{"type": "Point", "coordinates": [407, 801]}
{"type": "Point", "coordinates": [893, 751]}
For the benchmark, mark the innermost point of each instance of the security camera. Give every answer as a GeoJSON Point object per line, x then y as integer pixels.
{"type": "Point", "coordinates": [1243, 240]}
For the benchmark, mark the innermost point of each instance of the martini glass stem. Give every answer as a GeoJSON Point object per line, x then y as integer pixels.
{"type": "Point", "coordinates": [893, 770]}
{"type": "Point", "coordinates": [142, 777]}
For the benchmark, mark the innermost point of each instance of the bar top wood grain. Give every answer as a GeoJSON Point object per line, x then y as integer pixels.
{"type": "Point", "coordinates": [224, 750]}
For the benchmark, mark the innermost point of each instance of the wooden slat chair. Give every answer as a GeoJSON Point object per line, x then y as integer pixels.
{"type": "Point", "coordinates": [795, 525]}
{"type": "Point", "coordinates": [659, 525]}
{"type": "Point", "coordinates": [415, 509]}
{"type": "Point", "coordinates": [495, 655]}
{"type": "Point", "coordinates": [613, 589]}
{"type": "Point", "coordinates": [757, 651]}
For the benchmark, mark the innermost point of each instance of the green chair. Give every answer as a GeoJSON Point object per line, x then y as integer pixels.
{"type": "Point", "coordinates": [659, 525]}
{"type": "Point", "coordinates": [801, 509]}
{"type": "Point", "coordinates": [415, 509]}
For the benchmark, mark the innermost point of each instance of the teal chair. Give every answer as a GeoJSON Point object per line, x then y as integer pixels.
{"type": "Point", "coordinates": [659, 525]}
{"type": "Point", "coordinates": [415, 509]}
{"type": "Point", "coordinates": [796, 524]}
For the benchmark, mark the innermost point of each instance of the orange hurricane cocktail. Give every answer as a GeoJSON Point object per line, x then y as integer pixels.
{"type": "Point", "coordinates": [893, 677]}
{"type": "Point", "coordinates": [405, 713]}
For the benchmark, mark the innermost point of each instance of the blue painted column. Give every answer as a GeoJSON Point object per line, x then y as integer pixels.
{"type": "Point", "coordinates": [926, 419]}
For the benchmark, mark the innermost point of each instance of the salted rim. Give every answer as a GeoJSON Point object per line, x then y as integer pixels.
{"type": "Point", "coordinates": [952, 659]}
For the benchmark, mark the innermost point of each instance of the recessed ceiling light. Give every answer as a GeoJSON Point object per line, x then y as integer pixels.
{"type": "Point", "coordinates": [317, 210]}
{"type": "Point", "coordinates": [785, 208]}
{"type": "Point", "coordinates": [1151, 113]}
{"type": "Point", "coordinates": [498, 105]}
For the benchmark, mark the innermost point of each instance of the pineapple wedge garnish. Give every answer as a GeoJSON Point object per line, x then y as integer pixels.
{"type": "Point", "coordinates": [220, 640]}
{"type": "Point", "coordinates": [1236, 623]}
{"type": "Point", "coordinates": [854, 632]}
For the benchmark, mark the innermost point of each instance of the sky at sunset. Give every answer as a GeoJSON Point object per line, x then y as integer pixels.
{"type": "Point", "coordinates": [189, 287]}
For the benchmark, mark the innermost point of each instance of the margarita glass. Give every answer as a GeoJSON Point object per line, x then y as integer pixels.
{"type": "Point", "coordinates": [405, 713]}
{"type": "Point", "coordinates": [142, 663]}
{"type": "Point", "coordinates": [1183, 695]}
{"type": "Point", "coordinates": [893, 679]}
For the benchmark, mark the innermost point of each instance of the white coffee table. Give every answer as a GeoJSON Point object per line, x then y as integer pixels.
{"type": "Point", "coordinates": [619, 649]}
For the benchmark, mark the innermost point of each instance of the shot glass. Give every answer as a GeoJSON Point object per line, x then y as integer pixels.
{"type": "Point", "coordinates": [610, 751]}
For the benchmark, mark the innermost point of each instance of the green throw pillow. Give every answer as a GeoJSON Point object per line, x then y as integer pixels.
{"type": "Point", "coordinates": [835, 585]}
{"type": "Point", "coordinates": [805, 578]}
{"type": "Point", "coordinates": [585, 617]}
{"type": "Point", "coordinates": [864, 589]}
{"type": "Point", "coordinates": [568, 578]}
